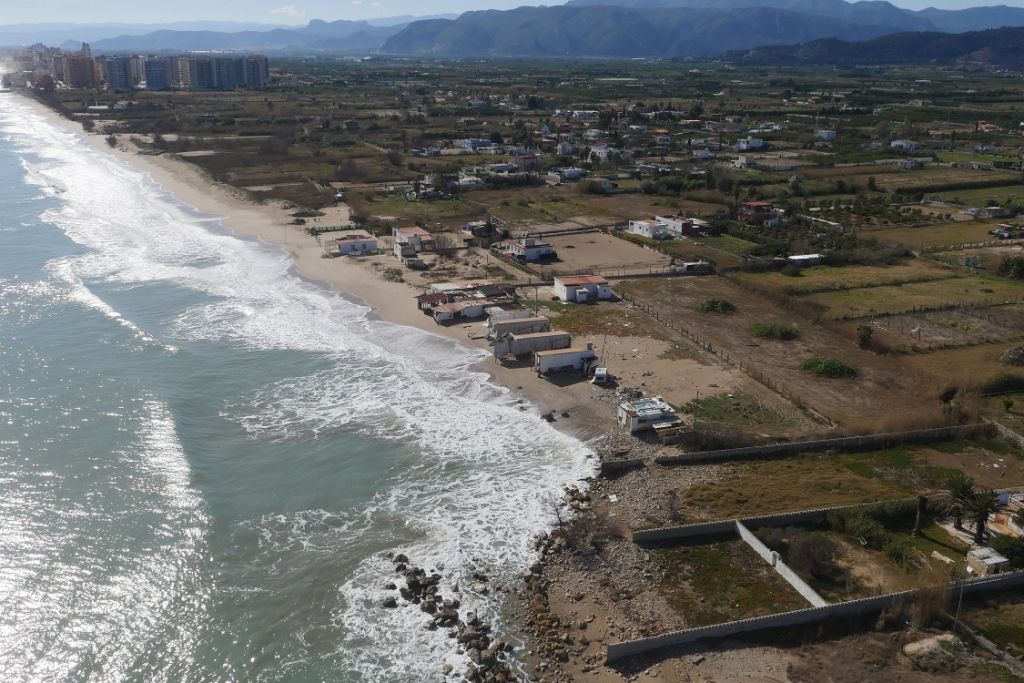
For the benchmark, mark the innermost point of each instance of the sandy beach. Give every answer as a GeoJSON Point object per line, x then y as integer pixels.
{"type": "Point", "coordinates": [579, 408]}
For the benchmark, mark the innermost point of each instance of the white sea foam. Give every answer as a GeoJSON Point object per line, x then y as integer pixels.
{"type": "Point", "coordinates": [478, 484]}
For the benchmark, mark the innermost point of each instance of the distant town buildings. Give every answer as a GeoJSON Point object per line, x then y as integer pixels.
{"type": "Point", "coordinates": [122, 73]}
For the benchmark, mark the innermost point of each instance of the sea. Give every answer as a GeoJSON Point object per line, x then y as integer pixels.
{"type": "Point", "coordinates": [206, 460]}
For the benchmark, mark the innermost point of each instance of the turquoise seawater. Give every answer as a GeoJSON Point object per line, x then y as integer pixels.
{"type": "Point", "coordinates": [204, 459]}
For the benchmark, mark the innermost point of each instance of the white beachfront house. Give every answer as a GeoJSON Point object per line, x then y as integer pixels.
{"type": "Point", "coordinates": [528, 248]}
{"type": "Point", "coordinates": [582, 288]}
{"type": "Point", "coordinates": [651, 229]}
{"type": "Point", "coordinates": [353, 242]}
{"type": "Point", "coordinates": [417, 237]}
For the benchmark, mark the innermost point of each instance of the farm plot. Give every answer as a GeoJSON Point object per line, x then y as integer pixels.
{"type": "Point", "coordinates": [935, 236]}
{"type": "Point", "coordinates": [958, 291]}
{"type": "Point", "coordinates": [881, 384]}
{"type": "Point", "coordinates": [802, 482]}
{"type": "Point", "coordinates": [598, 252]}
{"type": "Point", "coordinates": [965, 367]}
{"type": "Point", "coordinates": [940, 176]}
{"type": "Point", "coordinates": [828, 278]}
{"type": "Point", "coordinates": [986, 196]}
{"type": "Point", "coordinates": [951, 328]}
{"type": "Point", "coordinates": [984, 258]}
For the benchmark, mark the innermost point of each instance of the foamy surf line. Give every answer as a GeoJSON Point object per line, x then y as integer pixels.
{"type": "Point", "coordinates": [485, 471]}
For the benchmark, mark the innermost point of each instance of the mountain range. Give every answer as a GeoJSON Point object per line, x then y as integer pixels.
{"type": "Point", "coordinates": [580, 28]}
{"type": "Point", "coordinates": [991, 49]}
{"type": "Point", "coordinates": [338, 37]}
{"type": "Point", "coordinates": [667, 28]}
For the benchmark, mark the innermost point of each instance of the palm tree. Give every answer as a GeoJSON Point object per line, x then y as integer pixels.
{"type": "Point", "coordinates": [922, 512]}
{"type": "Point", "coordinates": [984, 503]}
{"type": "Point", "coordinates": [960, 489]}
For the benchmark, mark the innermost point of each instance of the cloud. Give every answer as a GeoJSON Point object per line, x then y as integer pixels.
{"type": "Point", "coordinates": [288, 10]}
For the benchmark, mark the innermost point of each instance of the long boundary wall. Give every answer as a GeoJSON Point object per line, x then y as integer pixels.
{"type": "Point", "coordinates": [849, 443]}
{"type": "Point", "coordinates": [719, 527]}
{"type": "Point", "coordinates": [853, 608]}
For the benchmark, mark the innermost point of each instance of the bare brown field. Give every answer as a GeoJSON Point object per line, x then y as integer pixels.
{"type": "Point", "coordinates": [885, 386]}
{"type": "Point", "coordinates": [964, 367]}
{"type": "Point", "coordinates": [601, 253]}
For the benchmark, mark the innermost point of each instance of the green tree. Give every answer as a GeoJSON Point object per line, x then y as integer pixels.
{"type": "Point", "coordinates": [983, 504]}
{"type": "Point", "coordinates": [960, 490]}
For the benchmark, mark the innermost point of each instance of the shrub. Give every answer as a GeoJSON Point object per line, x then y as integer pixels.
{"type": "Point", "coordinates": [1012, 267]}
{"type": "Point", "coordinates": [1010, 548]}
{"type": "Point", "coordinates": [864, 334]}
{"type": "Point", "coordinates": [829, 367]}
{"type": "Point", "coordinates": [790, 270]}
{"type": "Point", "coordinates": [393, 275]}
{"type": "Point", "coordinates": [861, 526]}
{"type": "Point", "coordinates": [813, 554]}
{"type": "Point", "coordinates": [902, 552]}
{"type": "Point", "coordinates": [781, 331]}
{"type": "Point", "coordinates": [1004, 383]}
{"type": "Point", "coordinates": [717, 306]}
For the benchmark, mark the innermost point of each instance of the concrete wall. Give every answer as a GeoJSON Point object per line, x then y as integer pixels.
{"type": "Point", "coordinates": [783, 570]}
{"type": "Point", "coordinates": [853, 608]}
{"type": "Point", "coordinates": [1009, 434]}
{"type": "Point", "coordinates": [689, 531]}
{"type": "Point", "coordinates": [717, 528]}
{"type": "Point", "coordinates": [850, 443]}
{"type": "Point", "coordinates": [610, 468]}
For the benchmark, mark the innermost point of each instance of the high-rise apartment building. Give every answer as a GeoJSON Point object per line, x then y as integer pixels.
{"type": "Point", "coordinates": [118, 72]}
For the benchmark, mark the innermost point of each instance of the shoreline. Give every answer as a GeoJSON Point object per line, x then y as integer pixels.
{"type": "Point", "coordinates": [576, 410]}
{"type": "Point", "coordinates": [391, 302]}
{"type": "Point", "coordinates": [543, 619]}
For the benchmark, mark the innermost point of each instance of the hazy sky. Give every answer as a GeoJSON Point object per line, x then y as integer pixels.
{"type": "Point", "coordinates": [286, 11]}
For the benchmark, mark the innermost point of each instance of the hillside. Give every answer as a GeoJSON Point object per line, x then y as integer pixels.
{"type": "Point", "coordinates": [334, 37]}
{"type": "Point", "coordinates": [610, 31]}
{"type": "Point", "coordinates": [991, 49]}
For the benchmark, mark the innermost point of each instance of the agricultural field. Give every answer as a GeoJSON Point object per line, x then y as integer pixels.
{"type": "Point", "coordinates": [987, 259]}
{"type": "Point", "coordinates": [986, 196]}
{"type": "Point", "coordinates": [601, 253]}
{"type": "Point", "coordinates": [731, 490]}
{"type": "Point", "coordinates": [829, 278]}
{"type": "Point", "coordinates": [962, 290]}
{"type": "Point", "coordinates": [869, 399]}
{"type": "Point", "coordinates": [966, 367]}
{"type": "Point", "coordinates": [955, 327]}
{"type": "Point", "coordinates": [938, 235]}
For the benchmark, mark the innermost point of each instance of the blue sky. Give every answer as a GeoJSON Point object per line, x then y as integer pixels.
{"type": "Point", "coordinates": [285, 11]}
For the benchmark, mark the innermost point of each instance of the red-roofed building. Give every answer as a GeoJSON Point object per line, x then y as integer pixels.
{"type": "Point", "coordinates": [754, 211]}
{"type": "Point", "coordinates": [582, 288]}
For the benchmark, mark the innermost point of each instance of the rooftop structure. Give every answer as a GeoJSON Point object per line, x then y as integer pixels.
{"type": "Point", "coordinates": [647, 413]}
